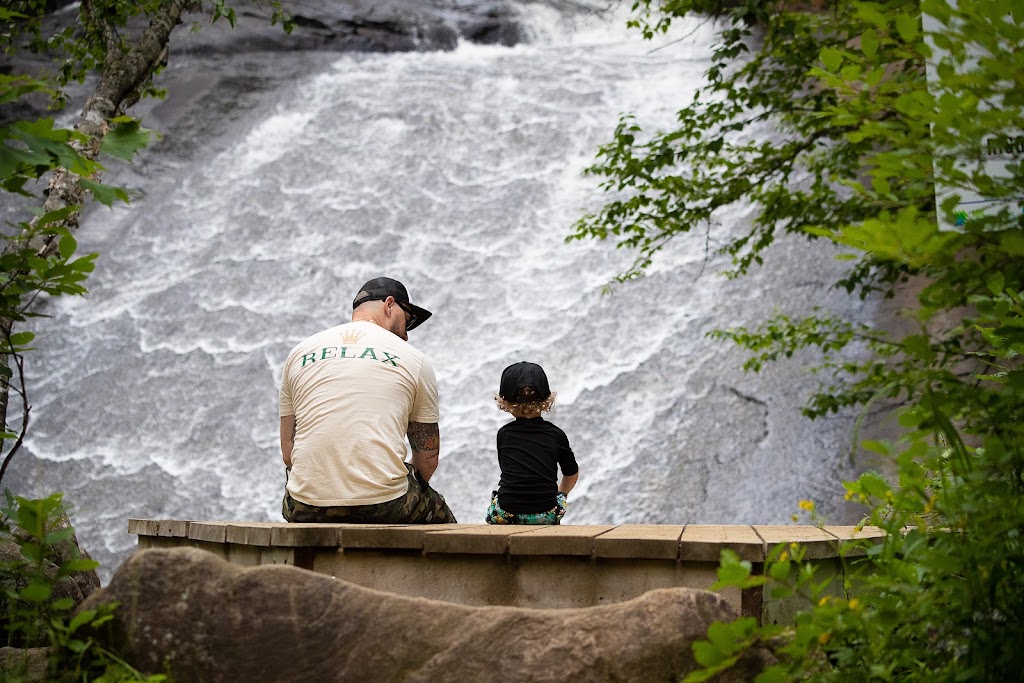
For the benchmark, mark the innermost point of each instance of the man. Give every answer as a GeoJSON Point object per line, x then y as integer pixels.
{"type": "Point", "coordinates": [350, 396]}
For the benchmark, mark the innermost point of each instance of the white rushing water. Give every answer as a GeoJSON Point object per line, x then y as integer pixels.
{"type": "Point", "coordinates": [458, 173]}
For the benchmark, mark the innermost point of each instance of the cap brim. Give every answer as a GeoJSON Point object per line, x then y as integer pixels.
{"type": "Point", "coordinates": [421, 316]}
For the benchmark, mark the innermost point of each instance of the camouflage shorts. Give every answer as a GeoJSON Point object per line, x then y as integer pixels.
{"type": "Point", "coordinates": [420, 505]}
{"type": "Point", "coordinates": [495, 515]}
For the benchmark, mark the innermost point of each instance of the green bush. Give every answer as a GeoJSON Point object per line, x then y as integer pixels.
{"type": "Point", "coordinates": [885, 123]}
{"type": "Point", "coordinates": [39, 596]}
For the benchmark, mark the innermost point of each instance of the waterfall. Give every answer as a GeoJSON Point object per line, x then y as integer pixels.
{"type": "Point", "coordinates": [285, 181]}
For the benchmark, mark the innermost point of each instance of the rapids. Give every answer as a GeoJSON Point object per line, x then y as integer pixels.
{"type": "Point", "coordinates": [284, 181]}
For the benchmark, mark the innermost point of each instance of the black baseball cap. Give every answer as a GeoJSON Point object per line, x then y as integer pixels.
{"type": "Point", "coordinates": [520, 375]}
{"type": "Point", "coordinates": [380, 288]}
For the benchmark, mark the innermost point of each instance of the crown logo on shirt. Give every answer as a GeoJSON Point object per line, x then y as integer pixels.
{"type": "Point", "coordinates": [351, 337]}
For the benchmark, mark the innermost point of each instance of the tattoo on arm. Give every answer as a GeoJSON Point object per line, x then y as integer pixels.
{"type": "Point", "coordinates": [424, 436]}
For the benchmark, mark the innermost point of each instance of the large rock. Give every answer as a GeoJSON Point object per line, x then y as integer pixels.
{"type": "Point", "coordinates": [27, 665]}
{"type": "Point", "coordinates": [214, 621]}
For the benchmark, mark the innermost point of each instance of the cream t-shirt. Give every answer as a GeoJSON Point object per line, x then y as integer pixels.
{"type": "Point", "coordinates": [353, 390]}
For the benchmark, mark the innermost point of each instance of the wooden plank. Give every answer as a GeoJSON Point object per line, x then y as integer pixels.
{"type": "Point", "coordinates": [385, 536]}
{"type": "Point", "coordinates": [818, 544]}
{"type": "Point", "coordinates": [277, 556]}
{"type": "Point", "coordinates": [250, 533]}
{"type": "Point", "coordinates": [564, 539]}
{"type": "Point", "coordinates": [175, 528]}
{"type": "Point", "coordinates": [144, 527]}
{"type": "Point", "coordinates": [704, 542]}
{"type": "Point", "coordinates": [245, 555]}
{"type": "Point", "coordinates": [306, 535]}
{"type": "Point", "coordinates": [641, 541]}
{"type": "Point", "coordinates": [473, 539]}
{"type": "Point", "coordinates": [208, 532]}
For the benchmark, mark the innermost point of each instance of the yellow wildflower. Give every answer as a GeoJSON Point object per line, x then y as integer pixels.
{"type": "Point", "coordinates": [807, 505]}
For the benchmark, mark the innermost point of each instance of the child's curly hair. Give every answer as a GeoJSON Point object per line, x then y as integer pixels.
{"type": "Point", "coordinates": [523, 405]}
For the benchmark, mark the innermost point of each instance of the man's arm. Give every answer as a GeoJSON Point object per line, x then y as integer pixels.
{"type": "Point", "coordinates": [287, 438]}
{"type": "Point", "coordinates": [425, 439]}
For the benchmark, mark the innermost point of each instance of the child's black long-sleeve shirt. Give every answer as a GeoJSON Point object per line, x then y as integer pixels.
{"type": "Point", "coordinates": [530, 451]}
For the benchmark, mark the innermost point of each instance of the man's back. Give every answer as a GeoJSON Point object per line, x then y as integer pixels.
{"type": "Point", "coordinates": [353, 390]}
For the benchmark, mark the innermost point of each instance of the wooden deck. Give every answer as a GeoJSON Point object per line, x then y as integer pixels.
{"type": "Point", "coordinates": [549, 566]}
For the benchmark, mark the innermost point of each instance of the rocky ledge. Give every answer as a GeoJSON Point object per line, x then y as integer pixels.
{"type": "Point", "coordinates": [319, 26]}
{"type": "Point", "coordinates": [355, 26]}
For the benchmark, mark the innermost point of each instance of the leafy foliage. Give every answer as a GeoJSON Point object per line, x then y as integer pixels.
{"type": "Point", "coordinates": [28, 151]}
{"type": "Point", "coordinates": [81, 52]}
{"type": "Point", "coordinates": [888, 114]}
{"type": "Point", "coordinates": [37, 612]}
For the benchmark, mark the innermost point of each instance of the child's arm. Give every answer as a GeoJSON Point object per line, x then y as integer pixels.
{"type": "Point", "coordinates": [567, 483]}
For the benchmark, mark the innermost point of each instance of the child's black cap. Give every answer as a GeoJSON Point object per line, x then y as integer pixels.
{"type": "Point", "coordinates": [518, 379]}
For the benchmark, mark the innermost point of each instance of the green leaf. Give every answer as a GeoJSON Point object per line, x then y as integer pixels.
{"type": "Point", "coordinates": [733, 574]}
{"type": "Point", "coordinates": [995, 283]}
{"type": "Point", "coordinates": [125, 139]}
{"type": "Point", "coordinates": [779, 570]}
{"type": "Point", "coordinates": [85, 264]}
{"type": "Point", "coordinates": [57, 216]}
{"type": "Point", "coordinates": [919, 346]}
{"type": "Point", "coordinates": [1012, 242]}
{"type": "Point", "coordinates": [67, 245]}
{"type": "Point", "coordinates": [776, 673]}
{"type": "Point", "coordinates": [79, 565]}
{"type": "Point", "coordinates": [106, 194]}
{"type": "Point", "coordinates": [881, 447]}
{"type": "Point", "coordinates": [57, 535]}
{"type": "Point", "coordinates": [908, 26]}
{"type": "Point", "coordinates": [707, 654]}
{"type": "Point", "coordinates": [33, 552]}
{"type": "Point", "coordinates": [910, 417]}
{"type": "Point", "coordinates": [22, 338]}
{"type": "Point", "coordinates": [874, 485]}
{"type": "Point", "coordinates": [62, 604]}
{"type": "Point", "coordinates": [831, 58]}
{"type": "Point", "coordinates": [869, 42]}
{"type": "Point", "coordinates": [46, 147]}
{"type": "Point", "coordinates": [36, 591]}
{"type": "Point", "coordinates": [84, 617]}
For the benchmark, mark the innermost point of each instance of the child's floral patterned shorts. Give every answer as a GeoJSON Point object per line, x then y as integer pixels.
{"type": "Point", "coordinates": [495, 515]}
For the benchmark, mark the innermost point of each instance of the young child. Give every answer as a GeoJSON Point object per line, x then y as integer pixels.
{"type": "Point", "coordinates": [530, 453]}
